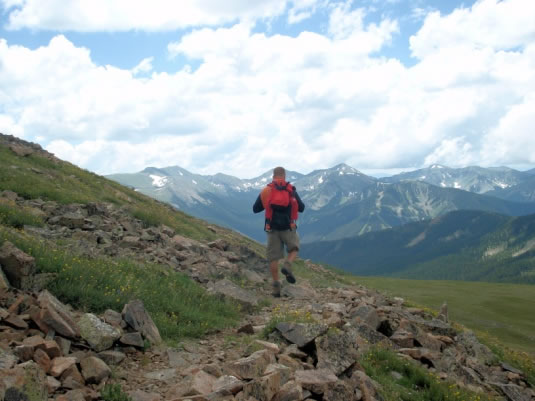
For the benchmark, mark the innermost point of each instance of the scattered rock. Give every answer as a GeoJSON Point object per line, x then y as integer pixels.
{"type": "Point", "coordinates": [17, 266]}
{"type": "Point", "coordinates": [61, 364]}
{"type": "Point", "coordinates": [55, 315]}
{"type": "Point", "coordinates": [252, 366]}
{"type": "Point", "coordinates": [94, 369]}
{"type": "Point", "coordinates": [337, 350]}
{"type": "Point", "coordinates": [228, 289]}
{"type": "Point", "coordinates": [135, 314]}
{"type": "Point", "coordinates": [134, 339]}
{"type": "Point", "coordinates": [99, 335]}
{"type": "Point", "coordinates": [301, 334]}
{"type": "Point", "coordinates": [317, 381]}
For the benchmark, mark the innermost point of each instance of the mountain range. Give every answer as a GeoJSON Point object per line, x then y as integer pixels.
{"type": "Point", "coordinates": [341, 202]}
{"type": "Point", "coordinates": [465, 245]}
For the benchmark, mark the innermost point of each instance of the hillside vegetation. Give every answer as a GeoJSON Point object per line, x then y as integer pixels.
{"type": "Point", "coordinates": [462, 245]}
{"type": "Point", "coordinates": [95, 282]}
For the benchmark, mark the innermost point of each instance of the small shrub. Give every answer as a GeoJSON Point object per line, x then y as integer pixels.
{"type": "Point", "coordinates": [114, 392]}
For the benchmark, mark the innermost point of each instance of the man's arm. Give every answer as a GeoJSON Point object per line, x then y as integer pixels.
{"type": "Point", "coordinates": [300, 204]}
{"type": "Point", "coordinates": [258, 206]}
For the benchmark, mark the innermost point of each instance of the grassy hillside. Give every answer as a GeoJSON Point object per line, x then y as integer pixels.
{"type": "Point", "coordinates": [462, 245]}
{"type": "Point", "coordinates": [36, 176]}
{"type": "Point", "coordinates": [179, 306]}
{"type": "Point", "coordinates": [504, 311]}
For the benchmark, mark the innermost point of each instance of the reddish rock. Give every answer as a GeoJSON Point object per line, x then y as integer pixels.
{"type": "Point", "coordinates": [24, 352]}
{"type": "Point", "coordinates": [61, 364]}
{"type": "Point", "coordinates": [34, 341]}
{"type": "Point", "coordinates": [42, 359]}
{"type": "Point", "coordinates": [56, 315]}
{"type": "Point", "coordinates": [72, 378]}
{"type": "Point", "coordinates": [17, 266]}
{"type": "Point", "coordinates": [16, 322]}
{"type": "Point", "coordinates": [51, 347]}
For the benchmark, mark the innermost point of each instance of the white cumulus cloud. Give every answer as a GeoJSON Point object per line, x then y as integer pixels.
{"type": "Point", "coordinates": [125, 15]}
{"type": "Point", "coordinates": [256, 100]}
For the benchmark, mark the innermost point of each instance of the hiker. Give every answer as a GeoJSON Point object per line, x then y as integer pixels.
{"type": "Point", "coordinates": [282, 203]}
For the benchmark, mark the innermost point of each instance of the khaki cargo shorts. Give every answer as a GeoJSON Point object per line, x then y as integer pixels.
{"type": "Point", "coordinates": [276, 240]}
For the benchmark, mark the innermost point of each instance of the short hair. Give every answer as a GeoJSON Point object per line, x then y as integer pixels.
{"type": "Point", "coordinates": [279, 172]}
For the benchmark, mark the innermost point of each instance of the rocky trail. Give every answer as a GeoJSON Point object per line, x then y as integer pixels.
{"type": "Point", "coordinates": [50, 351]}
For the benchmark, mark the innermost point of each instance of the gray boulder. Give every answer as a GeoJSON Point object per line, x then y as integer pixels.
{"type": "Point", "coordinates": [337, 350]}
{"type": "Point", "coordinates": [99, 335]}
{"type": "Point", "coordinates": [135, 314]}
{"type": "Point", "coordinates": [301, 334]}
{"type": "Point", "coordinates": [230, 290]}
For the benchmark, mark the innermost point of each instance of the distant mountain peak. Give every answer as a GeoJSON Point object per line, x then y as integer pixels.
{"type": "Point", "coordinates": [437, 166]}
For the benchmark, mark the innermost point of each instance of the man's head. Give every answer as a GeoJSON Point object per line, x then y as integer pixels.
{"type": "Point", "coordinates": [279, 172]}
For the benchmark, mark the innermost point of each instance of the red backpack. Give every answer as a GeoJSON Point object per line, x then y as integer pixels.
{"type": "Point", "coordinates": [281, 208]}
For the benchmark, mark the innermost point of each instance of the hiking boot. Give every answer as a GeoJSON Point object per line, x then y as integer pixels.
{"type": "Point", "coordinates": [276, 289]}
{"type": "Point", "coordinates": [288, 272]}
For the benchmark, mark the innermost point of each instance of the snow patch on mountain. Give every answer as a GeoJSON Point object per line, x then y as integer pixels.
{"type": "Point", "coordinates": [158, 181]}
{"type": "Point", "coordinates": [502, 185]}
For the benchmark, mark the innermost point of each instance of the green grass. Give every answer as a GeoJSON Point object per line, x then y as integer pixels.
{"type": "Point", "coordinates": [114, 392]}
{"type": "Point", "coordinates": [179, 307]}
{"type": "Point", "coordinates": [14, 216]}
{"type": "Point", "coordinates": [416, 383]}
{"type": "Point", "coordinates": [505, 311]}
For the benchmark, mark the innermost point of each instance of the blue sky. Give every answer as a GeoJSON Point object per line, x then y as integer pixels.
{"type": "Point", "coordinates": [382, 85]}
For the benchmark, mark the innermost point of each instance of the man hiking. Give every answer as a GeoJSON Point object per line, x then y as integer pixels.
{"type": "Point", "coordinates": [282, 203]}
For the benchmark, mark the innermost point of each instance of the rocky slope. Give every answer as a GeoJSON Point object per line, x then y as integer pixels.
{"type": "Point", "coordinates": [52, 352]}
{"type": "Point", "coordinates": [312, 344]}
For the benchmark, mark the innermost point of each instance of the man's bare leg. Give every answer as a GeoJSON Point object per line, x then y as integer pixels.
{"type": "Point", "coordinates": [274, 268]}
{"type": "Point", "coordinates": [291, 256]}
{"type": "Point", "coordinates": [286, 269]}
